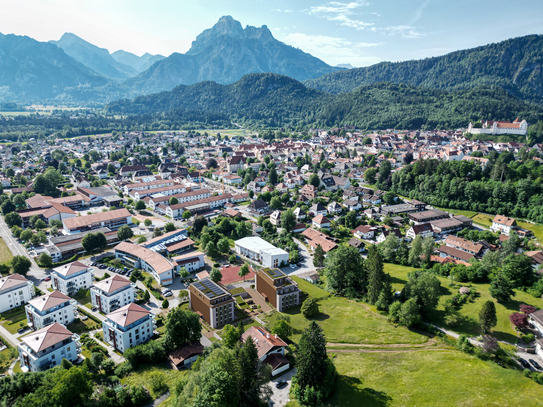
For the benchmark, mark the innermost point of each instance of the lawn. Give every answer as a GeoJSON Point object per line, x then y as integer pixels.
{"type": "Point", "coordinates": [345, 321]}
{"type": "Point", "coordinates": [469, 214]}
{"type": "Point", "coordinates": [470, 310]}
{"type": "Point", "coordinates": [12, 319]}
{"type": "Point", "coordinates": [17, 368]}
{"type": "Point", "coordinates": [146, 375]}
{"type": "Point", "coordinates": [79, 327]}
{"type": "Point", "coordinates": [311, 289]}
{"type": "Point", "coordinates": [483, 220]}
{"type": "Point", "coordinates": [428, 378]}
{"type": "Point", "coordinates": [5, 253]}
{"type": "Point", "coordinates": [7, 356]}
{"type": "Point", "coordinates": [537, 229]}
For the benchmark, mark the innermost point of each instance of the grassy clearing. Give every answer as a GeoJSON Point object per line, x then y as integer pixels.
{"type": "Point", "coordinates": [483, 220]}
{"type": "Point", "coordinates": [151, 376]}
{"type": "Point", "coordinates": [345, 321]}
{"type": "Point", "coordinates": [17, 368]}
{"type": "Point", "coordinates": [5, 253]}
{"type": "Point", "coordinates": [428, 378]}
{"type": "Point", "coordinates": [469, 214]}
{"type": "Point", "coordinates": [311, 289]}
{"type": "Point", "coordinates": [14, 319]}
{"type": "Point", "coordinates": [470, 310]}
{"type": "Point", "coordinates": [79, 327]}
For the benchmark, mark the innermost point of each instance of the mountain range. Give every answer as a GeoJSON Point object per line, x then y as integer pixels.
{"type": "Point", "coordinates": [515, 64]}
{"type": "Point", "coordinates": [271, 100]}
{"type": "Point", "coordinates": [224, 53]}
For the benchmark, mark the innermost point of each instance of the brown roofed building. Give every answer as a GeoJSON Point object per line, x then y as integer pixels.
{"type": "Point", "coordinates": [140, 257]}
{"type": "Point", "coordinates": [503, 224]}
{"type": "Point", "coordinates": [50, 308]}
{"type": "Point", "coordinates": [185, 356]}
{"type": "Point", "coordinates": [110, 219]}
{"type": "Point", "coordinates": [128, 326]}
{"type": "Point", "coordinates": [45, 348]}
{"type": "Point", "coordinates": [277, 288]}
{"type": "Point", "coordinates": [270, 348]}
{"type": "Point", "coordinates": [211, 302]}
{"type": "Point", "coordinates": [112, 293]}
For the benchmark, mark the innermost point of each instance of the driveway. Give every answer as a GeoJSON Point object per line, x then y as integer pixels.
{"type": "Point", "coordinates": [280, 397]}
{"type": "Point", "coordinates": [306, 260]}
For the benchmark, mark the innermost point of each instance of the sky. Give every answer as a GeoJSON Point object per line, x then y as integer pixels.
{"type": "Point", "coordinates": [358, 32]}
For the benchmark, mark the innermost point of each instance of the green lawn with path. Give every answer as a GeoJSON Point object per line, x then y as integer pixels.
{"type": "Point", "coordinates": [311, 289]}
{"type": "Point", "coordinates": [5, 253]}
{"type": "Point", "coordinates": [12, 319]}
{"type": "Point", "coordinates": [470, 311]}
{"type": "Point", "coordinates": [428, 378]}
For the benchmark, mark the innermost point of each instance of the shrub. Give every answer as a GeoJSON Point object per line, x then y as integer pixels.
{"type": "Point", "coordinates": [394, 311]}
{"type": "Point", "coordinates": [310, 308]}
{"type": "Point", "coordinates": [123, 369]}
{"type": "Point", "coordinates": [464, 290]}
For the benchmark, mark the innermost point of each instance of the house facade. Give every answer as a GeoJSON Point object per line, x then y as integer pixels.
{"type": "Point", "coordinates": [259, 250]}
{"type": "Point", "coordinates": [112, 293]}
{"type": "Point", "coordinates": [211, 302]}
{"type": "Point", "coordinates": [15, 290]}
{"type": "Point", "coordinates": [128, 326]}
{"type": "Point", "coordinates": [277, 288]}
{"type": "Point", "coordinates": [50, 308]}
{"type": "Point", "coordinates": [70, 278]}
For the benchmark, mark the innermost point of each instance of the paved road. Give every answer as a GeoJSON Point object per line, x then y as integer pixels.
{"type": "Point", "coordinates": [280, 397]}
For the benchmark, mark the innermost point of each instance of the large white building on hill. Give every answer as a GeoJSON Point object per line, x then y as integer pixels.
{"type": "Point", "coordinates": [500, 127]}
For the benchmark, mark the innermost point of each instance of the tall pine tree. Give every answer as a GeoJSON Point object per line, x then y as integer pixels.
{"type": "Point", "coordinates": [318, 259]}
{"type": "Point", "coordinates": [376, 274]}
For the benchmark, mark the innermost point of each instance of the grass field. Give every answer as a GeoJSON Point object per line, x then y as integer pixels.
{"type": "Point", "coordinates": [535, 228]}
{"type": "Point", "coordinates": [470, 310]}
{"type": "Point", "coordinates": [147, 375]}
{"type": "Point", "coordinates": [12, 319]}
{"type": "Point", "coordinates": [5, 253]}
{"type": "Point", "coordinates": [469, 214]}
{"type": "Point", "coordinates": [483, 220]}
{"type": "Point", "coordinates": [311, 289]}
{"type": "Point", "coordinates": [345, 321]}
{"type": "Point", "coordinates": [428, 378]}
{"type": "Point", "coordinates": [79, 327]}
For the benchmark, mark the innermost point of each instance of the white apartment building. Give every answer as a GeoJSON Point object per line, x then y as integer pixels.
{"type": "Point", "coordinates": [50, 308]}
{"type": "Point", "coordinates": [45, 348]}
{"type": "Point", "coordinates": [112, 293]}
{"type": "Point", "coordinates": [140, 257]}
{"type": "Point", "coordinates": [128, 326]}
{"type": "Point", "coordinates": [259, 250]}
{"type": "Point", "coordinates": [68, 279]}
{"type": "Point", "coordinates": [191, 262]}
{"type": "Point", "coordinates": [15, 290]}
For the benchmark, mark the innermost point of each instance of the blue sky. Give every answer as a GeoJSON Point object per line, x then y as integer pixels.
{"type": "Point", "coordinates": [359, 32]}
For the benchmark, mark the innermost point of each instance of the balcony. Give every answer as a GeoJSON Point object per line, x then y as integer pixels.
{"type": "Point", "coordinates": [70, 284]}
{"type": "Point", "coordinates": [47, 321]}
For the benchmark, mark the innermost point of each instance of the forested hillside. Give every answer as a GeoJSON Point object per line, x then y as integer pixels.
{"type": "Point", "coordinates": [514, 64]}
{"type": "Point", "coordinates": [505, 186]}
{"type": "Point", "coordinates": [271, 100]}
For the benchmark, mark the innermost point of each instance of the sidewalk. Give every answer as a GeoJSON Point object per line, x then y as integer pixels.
{"type": "Point", "coordinates": [116, 358]}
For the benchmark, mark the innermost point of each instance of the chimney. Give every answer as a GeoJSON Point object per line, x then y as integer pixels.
{"type": "Point", "coordinates": [268, 336]}
{"type": "Point", "coordinates": [276, 336]}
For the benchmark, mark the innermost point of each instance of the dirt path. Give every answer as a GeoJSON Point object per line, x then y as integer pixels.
{"type": "Point", "coordinates": [430, 342]}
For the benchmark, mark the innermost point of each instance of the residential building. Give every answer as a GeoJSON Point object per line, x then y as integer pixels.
{"type": "Point", "coordinates": [128, 326]}
{"type": "Point", "coordinates": [275, 218]}
{"type": "Point", "coordinates": [536, 318]}
{"type": "Point", "coordinates": [333, 208]}
{"type": "Point", "coordinates": [381, 238]}
{"type": "Point", "coordinates": [175, 241]}
{"type": "Point", "coordinates": [191, 261]}
{"type": "Point", "coordinates": [212, 303]}
{"type": "Point", "coordinates": [364, 232]}
{"type": "Point", "coordinates": [259, 250]}
{"type": "Point", "coordinates": [318, 209]}
{"type": "Point", "coordinates": [315, 238]}
{"type": "Point", "coordinates": [393, 210]}
{"type": "Point", "coordinates": [503, 224]}
{"type": "Point", "coordinates": [441, 226]}
{"type": "Point", "coordinates": [50, 308]}
{"type": "Point", "coordinates": [421, 229]}
{"type": "Point", "coordinates": [270, 348]}
{"type": "Point", "coordinates": [70, 278]}
{"type": "Point", "coordinates": [112, 293]}
{"type": "Point", "coordinates": [185, 356]}
{"type": "Point", "coordinates": [465, 245]}
{"type": "Point", "coordinates": [321, 222]}
{"type": "Point", "coordinates": [352, 205]}
{"type": "Point", "coordinates": [258, 205]}
{"type": "Point", "coordinates": [140, 257]}
{"type": "Point", "coordinates": [357, 244]}
{"type": "Point", "coordinates": [300, 215]}
{"type": "Point", "coordinates": [427, 216]}
{"type": "Point", "coordinates": [15, 290]}
{"type": "Point", "coordinates": [201, 205]}
{"type": "Point", "coordinates": [277, 288]}
{"type": "Point", "coordinates": [110, 219]}
{"type": "Point", "coordinates": [45, 348]}
{"type": "Point", "coordinates": [447, 251]}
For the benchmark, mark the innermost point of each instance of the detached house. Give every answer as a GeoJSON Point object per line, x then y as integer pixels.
{"type": "Point", "coordinates": [270, 348]}
{"type": "Point", "coordinates": [423, 229]}
{"type": "Point", "coordinates": [503, 224]}
{"type": "Point", "coordinates": [364, 232]}
{"type": "Point", "coordinates": [321, 222]}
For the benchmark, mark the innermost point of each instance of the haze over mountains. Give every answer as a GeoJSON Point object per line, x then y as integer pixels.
{"type": "Point", "coordinates": [74, 70]}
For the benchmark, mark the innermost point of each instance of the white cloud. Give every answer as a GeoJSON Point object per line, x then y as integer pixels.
{"type": "Point", "coordinates": [334, 50]}
{"type": "Point", "coordinates": [342, 13]}
{"type": "Point", "coordinates": [281, 11]}
{"type": "Point", "coordinates": [406, 31]}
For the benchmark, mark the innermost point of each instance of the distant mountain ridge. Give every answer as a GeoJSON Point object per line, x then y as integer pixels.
{"type": "Point", "coordinates": [515, 64]}
{"type": "Point", "coordinates": [138, 64]}
{"type": "Point", "coordinates": [31, 70]}
{"type": "Point", "coordinates": [93, 57]}
{"type": "Point", "coordinates": [224, 54]}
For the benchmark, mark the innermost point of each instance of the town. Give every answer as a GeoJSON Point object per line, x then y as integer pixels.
{"type": "Point", "coordinates": [138, 254]}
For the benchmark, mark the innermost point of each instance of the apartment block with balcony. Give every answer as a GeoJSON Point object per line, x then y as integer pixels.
{"type": "Point", "coordinates": [70, 278]}
{"type": "Point", "coordinates": [15, 290]}
{"type": "Point", "coordinates": [50, 308]}
{"type": "Point", "coordinates": [211, 302]}
{"type": "Point", "coordinates": [277, 288]}
{"type": "Point", "coordinates": [112, 293]}
{"type": "Point", "coordinates": [128, 326]}
{"type": "Point", "coordinates": [45, 348]}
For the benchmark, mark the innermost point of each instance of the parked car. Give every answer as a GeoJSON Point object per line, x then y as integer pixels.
{"type": "Point", "coordinates": [280, 384]}
{"type": "Point", "coordinates": [292, 266]}
{"type": "Point", "coordinates": [535, 364]}
{"type": "Point", "coordinates": [48, 278]}
{"type": "Point", "coordinates": [168, 294]}
{"type": "Point", "coordinates": [524, 363]}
